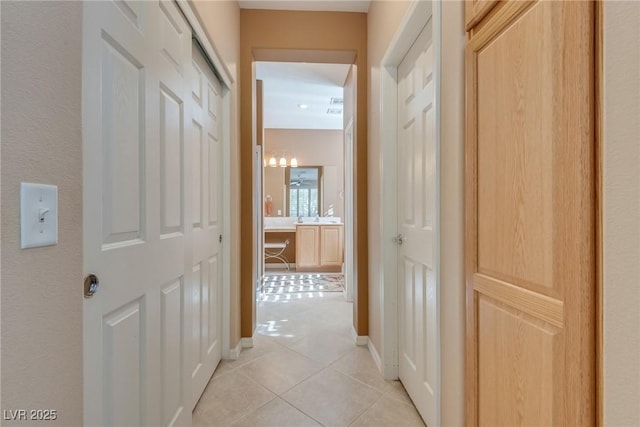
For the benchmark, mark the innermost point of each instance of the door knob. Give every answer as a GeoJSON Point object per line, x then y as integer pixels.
{"type": "Point", "coordinates": [91, 284]}
{"type": "Point", "coordinates": [399, 239]}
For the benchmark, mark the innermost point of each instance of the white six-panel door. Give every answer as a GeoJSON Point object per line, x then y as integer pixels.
{"type": "Point", "coordinates": [205, 186]}
{"type": "Point", "coordinates": [417, 207]}
{"type": "Point", "coordinates": [139, 233]}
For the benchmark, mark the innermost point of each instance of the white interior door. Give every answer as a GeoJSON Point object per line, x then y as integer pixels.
{"type": "Point", "coordinates": [135, 57]}
{"type": "Point", "coordinates": [205, 187]}
{"type": "Point", "coordinates": [417, 207]}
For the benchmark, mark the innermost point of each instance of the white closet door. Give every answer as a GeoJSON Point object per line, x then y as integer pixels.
{"type": "Point", "coordinates": [205, 187]}
{"type": "Point", "coordinates": [136, 60]}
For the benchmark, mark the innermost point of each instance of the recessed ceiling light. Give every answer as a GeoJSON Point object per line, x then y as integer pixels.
{"type": "Point", "coordinates": [303, 106]}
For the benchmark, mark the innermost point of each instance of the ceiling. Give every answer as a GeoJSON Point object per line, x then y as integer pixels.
{"type": "Point", "coordinates": [289, 85]}
{"type": "Point", "coordinates": [322, 5]}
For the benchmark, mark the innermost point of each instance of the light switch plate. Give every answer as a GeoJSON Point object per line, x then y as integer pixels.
{"type": "Point", "coordinates": [38, 215]}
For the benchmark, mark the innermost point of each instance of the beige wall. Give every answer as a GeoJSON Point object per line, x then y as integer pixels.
{"type": "Point", "coordinates": [621, 214]}
{"type": "Point", "coordinates": [41, 142]}
{"type": "Point", "coordinates": [221, 22]}
{"type": "Point", "coordinates": [312, 147]}
{"type": "Point", "coordinates": [382, 23]}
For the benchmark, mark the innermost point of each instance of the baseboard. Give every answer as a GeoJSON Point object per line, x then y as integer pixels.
{"type": "Point", "coordinates": [374, 354]}
{"type": "Point", "coordinates": [278, 266]}
{"type": "Point", "coordinates": [247, 342]}
{"type": "Point", "coordinates": [359, 339]}
{"type": "Point", "coordinates": [234, 353]}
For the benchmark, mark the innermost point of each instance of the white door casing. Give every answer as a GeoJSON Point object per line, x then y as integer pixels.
{"type": "Point", "coordinates": [135, 58]}
{"type": "Point", "coordinates": [417, 223]}
{"type": "Point", "coordinates": [348, 215]}
{"type": "Point", "coordinates": [205, 186]}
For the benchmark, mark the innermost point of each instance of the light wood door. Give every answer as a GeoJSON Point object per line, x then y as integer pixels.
{"type": "Point", "coordinates": [205, 186]}
{"type": "Point", "coordinates": [475, 10]}
{"type": "Point", "coordinates": [331, 245]}
{"type": "Point", "coordinates": [530, 217]}
{"type": "Point", "coordinates": [417, 222]}
{"type": "Point", "coordinates": [135, 57]}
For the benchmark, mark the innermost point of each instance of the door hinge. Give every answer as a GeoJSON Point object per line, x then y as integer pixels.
{"type": "Point", "coordinates": [220, 239]}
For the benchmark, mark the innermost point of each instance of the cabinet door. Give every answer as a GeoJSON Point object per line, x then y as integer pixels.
{"type": "Point", "coordinates": [530, 209]}
{"type": "Point", "coordinates": [307, 247]}
{"type": "Point", "coordinates": [475, 10]}
{"type": "Point", "coordinates": [331, 245]}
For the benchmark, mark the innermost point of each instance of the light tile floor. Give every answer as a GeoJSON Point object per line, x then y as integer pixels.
{"type": "Point", "coordinates": [304, 370]}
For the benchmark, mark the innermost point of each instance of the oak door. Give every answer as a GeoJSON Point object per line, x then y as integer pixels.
{"type": "Point", "coordinates": [417, 223]}
{"type": "Point", "coordinates": [530, 216]}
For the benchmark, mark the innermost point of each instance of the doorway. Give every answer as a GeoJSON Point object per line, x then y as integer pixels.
{"type": "Point", "coordinates": [302, 113]}
{"type": "Point", "coordinates": [448, 249]}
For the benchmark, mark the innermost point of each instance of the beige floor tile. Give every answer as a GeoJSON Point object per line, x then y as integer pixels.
{"type": "Point", "coordinates": [325, 347]}
{"type": "Point", "coordinates": [332, 398]}
{"type": "Point", "coordinates": [260, 348]}
{"type": "Point", "coordinates": [276, 413]}
{"type": "Point", "coordinates": [229, 397]}
{"type": "Point", "coordinates": [280, 370]}
{"type": "Point", "coordinates": [395, 390]}
{"type": "Point", "coordinates": [359, 364]}
{"type": "Point", "coordinates": [388, 412]}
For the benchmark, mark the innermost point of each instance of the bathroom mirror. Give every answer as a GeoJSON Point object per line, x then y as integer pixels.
{"type": "Point", "coordinates": [304, 190]}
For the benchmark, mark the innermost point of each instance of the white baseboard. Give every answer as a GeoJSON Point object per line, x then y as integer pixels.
{"type": "Point", "coordinates": [247, 342]}
{"type": "Point", "coordinates": [375, 355]}
{"type": "Point", "coordinates": [234, 353]}
{"type": "Point", "coordinates": [359, 339]}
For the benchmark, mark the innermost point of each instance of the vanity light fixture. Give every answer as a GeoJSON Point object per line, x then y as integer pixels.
{"type": "Point", "coordinates": [294, 162]}
{"type": "Point", "coordinates": [283, 162]}
{"type": "Point", "coordinates": [272, 162]}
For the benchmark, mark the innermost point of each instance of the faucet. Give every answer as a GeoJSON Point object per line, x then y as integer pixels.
{"type": "Point", "coordinates": [300, 218]}
{"type": "Point", "coordinates": [317, 218]}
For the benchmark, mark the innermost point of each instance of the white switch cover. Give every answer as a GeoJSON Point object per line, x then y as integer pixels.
{"type": "Point", "coordinates": [38, 215]}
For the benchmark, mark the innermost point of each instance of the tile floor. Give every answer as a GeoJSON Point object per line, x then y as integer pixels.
{"type": "Point", "coordinates": [304, 370]}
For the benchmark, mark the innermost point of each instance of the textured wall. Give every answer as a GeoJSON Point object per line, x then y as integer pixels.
{"type": "Point", "coordinates": [41, 142]}
{"type": "Point", "coordinates": [621, 214]}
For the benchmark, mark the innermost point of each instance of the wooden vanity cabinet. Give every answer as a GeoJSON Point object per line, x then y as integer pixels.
{"type": "Point", "coordinates": [319, 247]}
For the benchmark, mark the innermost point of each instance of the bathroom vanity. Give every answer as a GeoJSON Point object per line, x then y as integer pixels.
{"type": "Point", "coordinates": [319, 247]}
{"type": "Point", "coordinates": [315, 245]}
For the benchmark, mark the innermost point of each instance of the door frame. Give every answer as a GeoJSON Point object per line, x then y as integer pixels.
{"type": "Point", "coordinates": [221, 71]}
{"type": "Point", "coordinates": [419, 13]}
{"type": "Point", "coordinates": [448, 42]}
{"type": "Point", "coordinates": [349, 261]}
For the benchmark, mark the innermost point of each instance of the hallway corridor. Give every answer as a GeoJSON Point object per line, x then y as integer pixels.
{"type": "Point", "coordinates": [303, 370]}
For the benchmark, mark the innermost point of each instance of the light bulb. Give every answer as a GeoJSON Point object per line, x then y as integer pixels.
{"type": "Point", "coordinates": [294, 162]}
{"type": "Point", "coordinates": [283, 162]}
{"type": "Point", "coordinates": [272, 162]}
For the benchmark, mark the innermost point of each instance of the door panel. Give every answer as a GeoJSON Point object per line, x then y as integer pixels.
{"type": "Point", "coordinates": [417, 203]}
{"type": "Point", "coordinates": [530, 217]}
{"type": "Point", "coordinates": [133, 210]}
{"type": "Point", "coordinates": [206, 193]}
